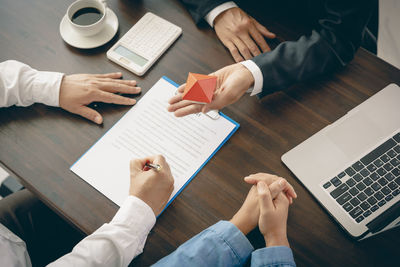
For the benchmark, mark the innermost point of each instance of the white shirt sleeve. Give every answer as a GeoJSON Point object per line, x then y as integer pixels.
{"type": "Point", "coordinates": [115, 243]}
{"type": "Point", "coordinates": [22, 86]}
{"type": "Point", "coordinates": [210, 17]}
{"type": "Point", "coordinates": [257, 75]}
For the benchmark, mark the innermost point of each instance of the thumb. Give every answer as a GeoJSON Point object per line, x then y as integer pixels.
{"type": "Point", "coordinates": [250, 180]}
{"type": "Point", "coordinates": [264, 31]}
{"type": "Point", "coordinates": [90, 114]}
{"type": "Point", "coordinates": [264, 197]}
{"type": "Point", "coordinates": [181, 88]}
{"type": "Point", "coordinates": [277, 187]}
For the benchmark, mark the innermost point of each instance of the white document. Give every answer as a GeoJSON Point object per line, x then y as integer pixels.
{"type": "Point", "coordinates": [149, 129]}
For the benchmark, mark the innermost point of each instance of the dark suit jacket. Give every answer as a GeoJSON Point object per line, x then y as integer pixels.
{"type": "Point", "coordinates": [338, 31]}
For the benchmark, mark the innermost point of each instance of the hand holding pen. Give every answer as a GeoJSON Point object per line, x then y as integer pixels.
{"type": "Point", "coordinates": [151, 181]}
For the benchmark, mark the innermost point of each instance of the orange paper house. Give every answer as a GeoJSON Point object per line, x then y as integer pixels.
{"type": "Point", "coordinates": [200, 88]}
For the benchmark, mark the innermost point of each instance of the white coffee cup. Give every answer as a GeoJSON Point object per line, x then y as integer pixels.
{"type": "Point", "coordinates": [92, 29]}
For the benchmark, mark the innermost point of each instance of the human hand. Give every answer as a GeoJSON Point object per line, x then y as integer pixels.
{"type": "Point", "coordinates": [79, 90]}
{"type": "Point", "coordinates": [268, 179]}
{"type": "Point", "coordinates": [247, 217]}
{"type": "Point", "coordinates": [273, 216]}
{"type": "Point", "coordinates": [232, 82]}
{"type": "Point", "coordinates": [151, 186]}
{"type": "Point", "coordinates": [241, 34]}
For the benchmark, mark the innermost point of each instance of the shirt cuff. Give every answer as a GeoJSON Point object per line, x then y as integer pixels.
{"type": "Point", "coordinates": [257, 75]}
{"type": "Point", "coordinates": [273, 256]}
{"type": "Point", "coordinates": [210, 17]}
{"type": "Point", "coordinates": [236, 240]}
{"type": "Point", "coordinates": [135, 213]}
{"type": "Point", "coordinates": [46, 88]}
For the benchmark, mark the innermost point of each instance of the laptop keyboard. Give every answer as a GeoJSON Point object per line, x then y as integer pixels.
{"type": "Point", "coordinates": [367, 185]}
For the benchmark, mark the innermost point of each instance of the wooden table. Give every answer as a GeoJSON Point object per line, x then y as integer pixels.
{"type": "Point", "coordinates": [39, 143]}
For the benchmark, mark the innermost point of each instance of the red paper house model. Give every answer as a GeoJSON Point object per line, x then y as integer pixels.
{"type": "Point", "coordinates": [200, 88]}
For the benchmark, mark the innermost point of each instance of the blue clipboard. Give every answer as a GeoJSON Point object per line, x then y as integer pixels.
{"type": "Point", "coordinates": [237, 125]}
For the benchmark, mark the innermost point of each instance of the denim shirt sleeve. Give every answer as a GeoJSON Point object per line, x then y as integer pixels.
{"type": "Point", "coordinates": [219, 245]}
{"type": "Point", "coordinates": [279, 256]}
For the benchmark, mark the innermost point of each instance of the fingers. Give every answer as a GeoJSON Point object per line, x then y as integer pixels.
{"type": "Point", "coordinates": [264, 198]}
{"type": "Point", "coordinates": [119, 87]}
{"type": "Point", "coordinates": [265, 177]}
{"type": "Point", "coordinates": [255, 34]}
{"type": "Point", "coordinates": [281, 201]}
{"type": "Point", "coordinates": [178, 105]}
{"type": "Point", "coordinates": [251, 45]}
{"type": "Point", "coordinates": [160, 159]}
{"type": "Point", "coordinates": [243, 49]}
{"type": "Point", "coordinates": [114, 75]}
{"type": "Point", "coordinates": [137, 165]}
{"type": "Point", "coordinates": [290, 191]}
{"type": "Point", "coordinates": [127, 82]}
{"type": "Point", "coordinates": [183, 107]}
{"type": "Point", "coordinates": [277, 187]}
{"type": "Point", "coordinates": [187, 110]}
{"type": "Point", "coordinates": [234, 51]}
{"type": "Point", "coordinates": [89, 114]}
{"type": "Point", "coordinates": [110, 82]}
{"type": "Point", "coordinates": [290, 198]}
{"type": "Point", "coordinates": [181, 88]}
{"type": "Point", "coordinates": [106, 97]}
{"type": "Point", "coordinates": [174, 99]}
{"type": "Point", "coordinates": [269, 179]}
{"type": "Point", "coordinates": [264, 31]}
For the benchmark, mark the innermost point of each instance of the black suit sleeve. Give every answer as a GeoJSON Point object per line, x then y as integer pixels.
{"type": "Point", "coordinates": [329, 47]}
{"type": "Point", "coordinates": [198, 9]}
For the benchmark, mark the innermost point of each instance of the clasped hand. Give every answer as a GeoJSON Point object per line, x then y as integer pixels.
{"type": "Point", "coordinates": [266, 205]}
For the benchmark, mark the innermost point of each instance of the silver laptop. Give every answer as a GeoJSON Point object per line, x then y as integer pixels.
{"type": "Point", "coordinates": [352, 167]}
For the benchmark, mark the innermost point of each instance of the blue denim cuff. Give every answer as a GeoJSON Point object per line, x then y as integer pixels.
{"type": "Point", "coordinates": [234, 238]}
{"type": "Point", "coordinates": [273, 256]}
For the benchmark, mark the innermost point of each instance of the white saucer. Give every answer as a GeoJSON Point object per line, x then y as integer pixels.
{"type": "Point", "coordinates": [71, 37]}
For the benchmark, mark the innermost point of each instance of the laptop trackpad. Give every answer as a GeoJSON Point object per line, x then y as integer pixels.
{"type": "Point", "coordinates": [355, 135]}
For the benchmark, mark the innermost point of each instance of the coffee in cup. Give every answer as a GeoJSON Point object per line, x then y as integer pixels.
{"type": "Point", "coordinates": [87, 17]}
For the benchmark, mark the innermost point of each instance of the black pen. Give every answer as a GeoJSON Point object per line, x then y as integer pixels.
{"type": "Point", "coordinates": [156, 167]}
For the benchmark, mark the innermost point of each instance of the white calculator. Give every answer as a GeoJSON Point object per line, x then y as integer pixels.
{"type": "Point", "coordinates": [144, 43]}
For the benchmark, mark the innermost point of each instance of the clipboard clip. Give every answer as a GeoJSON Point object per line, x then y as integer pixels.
{"type": "Point", "coordinates": [213, 114]}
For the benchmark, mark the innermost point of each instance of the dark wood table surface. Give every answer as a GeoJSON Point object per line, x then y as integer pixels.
{"type": "Point", "coordinates": [39, 143]}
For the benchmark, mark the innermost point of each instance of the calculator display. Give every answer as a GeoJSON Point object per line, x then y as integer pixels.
{"type": "Point", "coordinates": [121, 50]}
